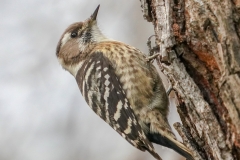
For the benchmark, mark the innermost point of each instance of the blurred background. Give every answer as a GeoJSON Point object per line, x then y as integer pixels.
{"type": "Point", "coordinates": [42, 113]}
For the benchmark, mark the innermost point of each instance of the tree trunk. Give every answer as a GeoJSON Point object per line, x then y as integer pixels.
{"type": "Point", "coordinates": [199, 47]}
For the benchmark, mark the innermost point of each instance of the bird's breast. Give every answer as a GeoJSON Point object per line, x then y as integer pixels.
{"type": "Point", "coordinates": [132, 70]}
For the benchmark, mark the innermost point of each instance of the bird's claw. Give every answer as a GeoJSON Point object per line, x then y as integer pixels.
{"type": "Point", "coordinates": [152, 57]}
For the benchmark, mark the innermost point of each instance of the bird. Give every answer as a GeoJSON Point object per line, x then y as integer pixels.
{"type": "Point", "coordinates": [120, 85]}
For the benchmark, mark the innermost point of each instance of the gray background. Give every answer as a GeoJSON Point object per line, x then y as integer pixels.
{"type": "Point", "coordinates": [42, 113]}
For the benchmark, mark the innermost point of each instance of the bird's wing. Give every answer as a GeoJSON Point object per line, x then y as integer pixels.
{"type": "Point", "coordinates": [103, 92]}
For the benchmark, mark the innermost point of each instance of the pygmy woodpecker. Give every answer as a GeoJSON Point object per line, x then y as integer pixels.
{"type": "Point", "coordinates": [119, 85]}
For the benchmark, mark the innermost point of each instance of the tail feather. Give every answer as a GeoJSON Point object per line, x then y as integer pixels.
{"type": "Point", "coordinates": [172, 143]}
{"type": "Point", "coordinates": [155, 155]}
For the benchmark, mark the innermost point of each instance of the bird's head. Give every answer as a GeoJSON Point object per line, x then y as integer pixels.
{"type": "Point", "coordinates": [77, 41]}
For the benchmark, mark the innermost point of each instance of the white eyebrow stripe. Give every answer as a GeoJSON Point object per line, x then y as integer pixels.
{"type": "Point", "coordinates": [65, 38]}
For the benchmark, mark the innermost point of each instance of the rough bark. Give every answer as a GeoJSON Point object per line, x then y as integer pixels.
{"type": "Point", "coordinates": [199, 46]}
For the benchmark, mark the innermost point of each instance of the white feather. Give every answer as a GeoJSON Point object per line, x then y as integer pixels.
{"type": "Point", "coordinates": [65, 38]}
{"type": "Point", "coordinates": [97, 34]}
{"type": "Point", "coordinates": [73, 69]}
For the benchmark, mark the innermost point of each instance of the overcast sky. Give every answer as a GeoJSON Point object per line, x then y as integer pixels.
{"type": "Point", "coordinates": [42, 113]}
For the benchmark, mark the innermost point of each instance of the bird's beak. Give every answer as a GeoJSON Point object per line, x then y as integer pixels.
{"type": "Point", "coordinates": [94, 15]}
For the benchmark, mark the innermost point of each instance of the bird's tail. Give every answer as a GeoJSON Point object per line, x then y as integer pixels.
{"type": "Point", "coordinates": [171, 142]}
{"type": "Point", "coordinates": [155, 155]}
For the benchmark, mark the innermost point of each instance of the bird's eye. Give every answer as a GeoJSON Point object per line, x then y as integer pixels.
{"type": "Point", "coordinates": [74, 34]}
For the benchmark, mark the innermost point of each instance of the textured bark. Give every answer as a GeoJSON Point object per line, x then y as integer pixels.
{"type": "Point", "coordinates": [199, 46]}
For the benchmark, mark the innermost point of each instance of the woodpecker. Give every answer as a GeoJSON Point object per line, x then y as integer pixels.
{"type": "Point", "coordinates": [119, 85]}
